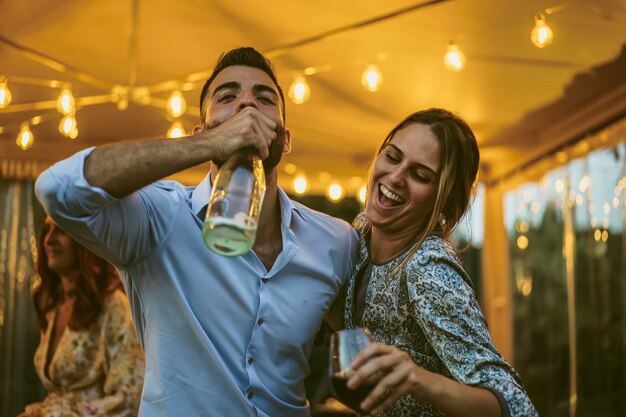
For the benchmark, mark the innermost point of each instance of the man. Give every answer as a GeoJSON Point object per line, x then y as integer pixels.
{"type": "Point", "coordinates": [222, 336]}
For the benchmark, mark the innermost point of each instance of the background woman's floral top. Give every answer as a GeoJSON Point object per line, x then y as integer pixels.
{"type": "Point", "coordinates": [94, 372]}
{"type": "Point", "coordinates": [430, 311]}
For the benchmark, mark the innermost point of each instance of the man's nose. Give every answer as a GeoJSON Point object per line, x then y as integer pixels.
{"type": "Point", "coordinates": [247, 99]}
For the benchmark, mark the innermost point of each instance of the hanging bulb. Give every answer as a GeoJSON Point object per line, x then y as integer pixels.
{"type": "Point", "coordinates": [68, 126]}
{"type": "Point", "coordinates": [176, 130]}
{"type": "Point", "coordinates": [65, 102]}
{"type": "Point", "coordinates": [300, 185]}
{"type": "Point", "coordinates": [25, 137]}
{"type": "Point", "coordinates": [5, 93]}
{"type": "Point", "coordinates": [541, 35]}
{"type": "Point", "coordinates": [454, 59]}
{"type": "Point", "coordinates": [299, 91]}
{"type": "Point", "coordinates": [362, 195]}
{"type": "Point", "coordinates": [176, 104]}
{"type": "Point", "coordinates": [372, 78]}
{"type": "Point", "coordinates": [334, 192]}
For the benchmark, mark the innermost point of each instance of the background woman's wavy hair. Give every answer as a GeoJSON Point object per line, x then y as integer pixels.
{"type": "Point", "coordinates": [459, 166]}
{"type": "Point", "coordinates": [98, 279]}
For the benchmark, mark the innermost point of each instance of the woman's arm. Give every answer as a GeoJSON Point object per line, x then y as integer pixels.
{"type": "Point", "coordinates": [403, 377]}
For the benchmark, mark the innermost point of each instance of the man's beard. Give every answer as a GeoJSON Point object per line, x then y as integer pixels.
{"type": "Point", "coordinates": [275, 149]}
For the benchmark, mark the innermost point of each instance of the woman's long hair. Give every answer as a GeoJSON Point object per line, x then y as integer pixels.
{"type": "Point", "coordinates": [97, 279]}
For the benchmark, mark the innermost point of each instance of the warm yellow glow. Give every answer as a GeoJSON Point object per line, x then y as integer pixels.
{"type": "Point", "coordinates": [605, 235]}
{"type": "Point", "coordinates": [335, 192]}
{"type": "Point", "coordinates": [535, 207]}
{"type": "Point", "coordinates": [522, 226]}
{"type": "Point", "coordinates": [66, 103]}
{"type": "Point", "coordinates": [541, 35]}
{"type": "Point", "coordinates": [25, 137]}
{"type": "Point", "coordinates": [5, 93]}
{"type": "Point", "coordinates": [299, 91]}
{"type": "Point", "coordinates": [372, 78]}
{"type": "Point", "coordinates": [584, 184]}
{"type": "Point", "coordinates": [362, 194]}
{"type": "Point", "coordinates": [559, 186]}
{"type": "Point", "coordinates": [597, 235]}
{"type": "Point", "coordinates": [579, 199]}
{"type": "Point", "coordinates": [615, 202]}
{"type": "Point", "coordinates": [176, 130]}
{"type": "Point", "coordinates": [454, 59]}
{"type": "Point", "coordinates": [323, 177]}
{"type": "Point", "coordinates": [522, 242]}
{"type": "Point", "coordinates": [300, 185]}
{"type": "Point", "coordinates": [68, 126]}
{"type": "Point", "coordinates": [176, 104]}
{"type": "Point", "coordinates": [527, 287]}
{"type": "Point", "coordinates": [607, 208]}
{"type": "Point", "coordinates": [290, 168]}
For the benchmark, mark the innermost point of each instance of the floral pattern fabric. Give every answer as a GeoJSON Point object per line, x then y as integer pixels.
{"type": "Point", "coordinates": [429, 310]}
{"type": "Point", "coordinates": [93, 372]}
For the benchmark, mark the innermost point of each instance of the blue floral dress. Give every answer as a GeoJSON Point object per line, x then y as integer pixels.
{"type": "Point", "coordinates": [429, 310]}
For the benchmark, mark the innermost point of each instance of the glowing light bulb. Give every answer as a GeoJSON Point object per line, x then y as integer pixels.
{"type": "Point", "coordinates": [68, 126]}
{"type": "Point", "coordinates": [299, 91]}
{"type": "Point", "coordinates": [362, 194]}
{"type": "Point", "coordinates": [25, 137]}
{"type": "Point", "coordinates": [176, 130]}
{"type": "Point", "coordinates": [335, 192]}
{"type": "Point", "coordinates": [454, 59]}
{"type": "Point", "coordinates": [176, 104]}
{"type": "Point", "coordinates": [541, 35]}
{"type": "Point", "coordinates": [5, 93]}
{"type": "Point", "coordinates": [66, 103]}
{"type": "Point", "coordinates": [372, 78]}
{"type": "Point", "coordinates": [300, 185]}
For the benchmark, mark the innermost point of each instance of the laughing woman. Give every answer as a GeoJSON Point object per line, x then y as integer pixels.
{"type": "Point", "coordinates": [434, 354]}
{"type": "Point", "coordinates": [88, 359]}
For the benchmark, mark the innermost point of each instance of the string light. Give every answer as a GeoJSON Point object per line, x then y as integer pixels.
{"type": "Point", "coordinates": [25, 137]}
{"type": "Point", "coordinates": [5, 93]}
{"type": "Point", "coordinates": [68, 126]}
{"type": "Point", "coordinates": [300, 185]}
{"type": "Point", "coordinates": [176, 130]}
{"type": "Point", "coordinates": [454, 59]}
{"type": "Point", "coordinates": [299, 90]}
{"type": "Point", "coordinates": [541, 35]}
{"type": "Point", "coordinates": [66, 103]}
{"type": "Point", "coordinates": [176, 104]}
{"type": "Point", "coordinates": [372, 78]}
{"type": "Point", "coordinates": [334, 192]}
{"type": "Point", "coordinates": [362, 194]}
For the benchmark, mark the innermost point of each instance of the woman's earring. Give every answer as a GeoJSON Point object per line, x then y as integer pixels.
{"type": "Point", "coordinates": [442, 220]}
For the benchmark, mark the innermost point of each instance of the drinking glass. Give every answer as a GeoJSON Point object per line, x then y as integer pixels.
{"type": "Point", "coordinates": [344, 346]}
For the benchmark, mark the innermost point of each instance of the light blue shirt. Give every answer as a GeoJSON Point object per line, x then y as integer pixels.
{"type": "Point", "coordinates": [222, 336]}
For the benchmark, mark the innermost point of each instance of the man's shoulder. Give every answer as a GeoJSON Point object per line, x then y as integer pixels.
{"type": "Point", "coordinates": [321, 220]}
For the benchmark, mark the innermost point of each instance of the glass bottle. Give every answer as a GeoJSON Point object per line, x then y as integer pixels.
{"type": "Point", "coordinates": [232, 217]}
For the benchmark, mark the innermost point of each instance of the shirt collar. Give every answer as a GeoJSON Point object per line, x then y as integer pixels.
{"type": "Point", "coordinates": [201, 194]}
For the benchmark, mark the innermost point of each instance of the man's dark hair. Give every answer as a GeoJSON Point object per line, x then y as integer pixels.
{"type": "Point", "coordinates": [247, 57]}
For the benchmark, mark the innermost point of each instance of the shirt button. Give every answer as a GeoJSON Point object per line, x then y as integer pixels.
{"type": "Point", "coordinates": [264, 280]}
{"type": "Point", "coordinates": [250, 360]}
{"type": "Point", "coordinates": [250, 395]}
{"type": "Point", "coordinates": [260, 322]}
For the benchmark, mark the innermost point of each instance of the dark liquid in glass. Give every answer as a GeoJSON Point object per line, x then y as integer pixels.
{"type": "Point", "coordinates": [350, 397]}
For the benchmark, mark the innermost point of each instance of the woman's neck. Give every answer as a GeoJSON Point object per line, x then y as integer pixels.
{"type": "Point", "coordinates": [386, 246]}
{"type": "Point", "coordinates": [68, 284]}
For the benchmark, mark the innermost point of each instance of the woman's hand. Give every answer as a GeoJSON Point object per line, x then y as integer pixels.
{"type": "Point", "coordinates": [395, 372]}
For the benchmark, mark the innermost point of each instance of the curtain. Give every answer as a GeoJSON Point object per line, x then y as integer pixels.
{"type": "Point", "coordinates": [20, 218]}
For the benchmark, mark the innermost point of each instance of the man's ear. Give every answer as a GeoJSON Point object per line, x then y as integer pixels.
{"type": "Point", "coordinates": [198, 128]}
{"type": "Point", "coordinates": [287, 142]}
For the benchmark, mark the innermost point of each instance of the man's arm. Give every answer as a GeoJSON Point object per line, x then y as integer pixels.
{"type": "Point", "coordinates": [123, 168]}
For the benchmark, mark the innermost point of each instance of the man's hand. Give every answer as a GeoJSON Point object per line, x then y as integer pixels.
{"type": "Point", "coordinates": [249, 128]}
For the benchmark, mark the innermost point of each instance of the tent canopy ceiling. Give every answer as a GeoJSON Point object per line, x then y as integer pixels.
{"type": "Point", "coordinates": [166, 45]}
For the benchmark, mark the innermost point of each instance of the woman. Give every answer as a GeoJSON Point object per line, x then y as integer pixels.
{"type": "Point", "coordinates": [88, 358]}
{"type": "Point", "coordinates": [434, 355]}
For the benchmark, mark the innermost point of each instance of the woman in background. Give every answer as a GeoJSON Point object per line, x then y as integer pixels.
{"type": "Point", "coordinates": [434, 354]}
{"type": "Point", "coordinates": [88, 359]}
